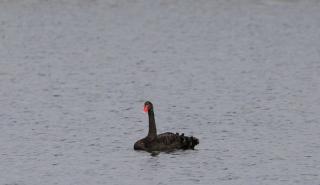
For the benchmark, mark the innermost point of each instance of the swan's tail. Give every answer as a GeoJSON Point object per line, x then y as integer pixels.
{"type": "Point", "coordinates": [188, 142]}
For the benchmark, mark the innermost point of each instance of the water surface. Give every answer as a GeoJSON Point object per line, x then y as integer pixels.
{"type": "Point", "coordinates": [243, 77]}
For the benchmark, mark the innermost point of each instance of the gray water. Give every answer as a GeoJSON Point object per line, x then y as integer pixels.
{"type": "Point", "coordinates": [242, 76]}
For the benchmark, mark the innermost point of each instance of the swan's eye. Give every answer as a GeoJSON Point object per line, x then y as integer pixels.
{"type": "Point", "coordinates": [146, 108]}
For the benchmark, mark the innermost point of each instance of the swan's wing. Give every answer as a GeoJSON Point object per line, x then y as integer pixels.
{"type": "Point", "coordinates": [168, 138]}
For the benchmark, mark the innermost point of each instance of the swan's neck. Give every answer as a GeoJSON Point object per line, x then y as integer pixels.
{"type": "Point", "coordinates": [152, 125]}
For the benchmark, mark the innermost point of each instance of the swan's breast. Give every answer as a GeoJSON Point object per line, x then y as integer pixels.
{"type": "Point", "coordinates": [139, 145]}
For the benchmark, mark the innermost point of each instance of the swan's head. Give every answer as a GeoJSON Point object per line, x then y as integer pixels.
{"type": "Point", "coordinates": [147, 106]}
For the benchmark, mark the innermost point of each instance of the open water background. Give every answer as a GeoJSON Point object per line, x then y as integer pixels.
{"type": "Point", "coordinates": [242, 76]}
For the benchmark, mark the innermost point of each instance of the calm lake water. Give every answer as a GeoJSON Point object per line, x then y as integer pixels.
{"type": "Point", "coordinates": [242, 76]}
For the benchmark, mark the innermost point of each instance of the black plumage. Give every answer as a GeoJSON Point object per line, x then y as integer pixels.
{"type": "Point", "coordinates": [163, 142]}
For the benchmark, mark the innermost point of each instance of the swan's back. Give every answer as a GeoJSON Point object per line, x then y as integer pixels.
{"type": "Point", "coordinates": [171, 141]}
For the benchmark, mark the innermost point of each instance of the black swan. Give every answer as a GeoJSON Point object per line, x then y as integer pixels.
{"type": "Point", "coordinates": [162, 142]}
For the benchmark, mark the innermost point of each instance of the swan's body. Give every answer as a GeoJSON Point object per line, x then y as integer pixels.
{"type": "Point", "coordinates": [162, 142]}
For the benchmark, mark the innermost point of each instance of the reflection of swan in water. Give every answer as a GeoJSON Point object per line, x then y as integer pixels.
{"type": "Point", "coordinates": [162, 142]}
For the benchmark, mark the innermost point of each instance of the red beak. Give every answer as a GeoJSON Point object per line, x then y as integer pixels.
{"type": "Point", "coordinates": [146, 108]}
